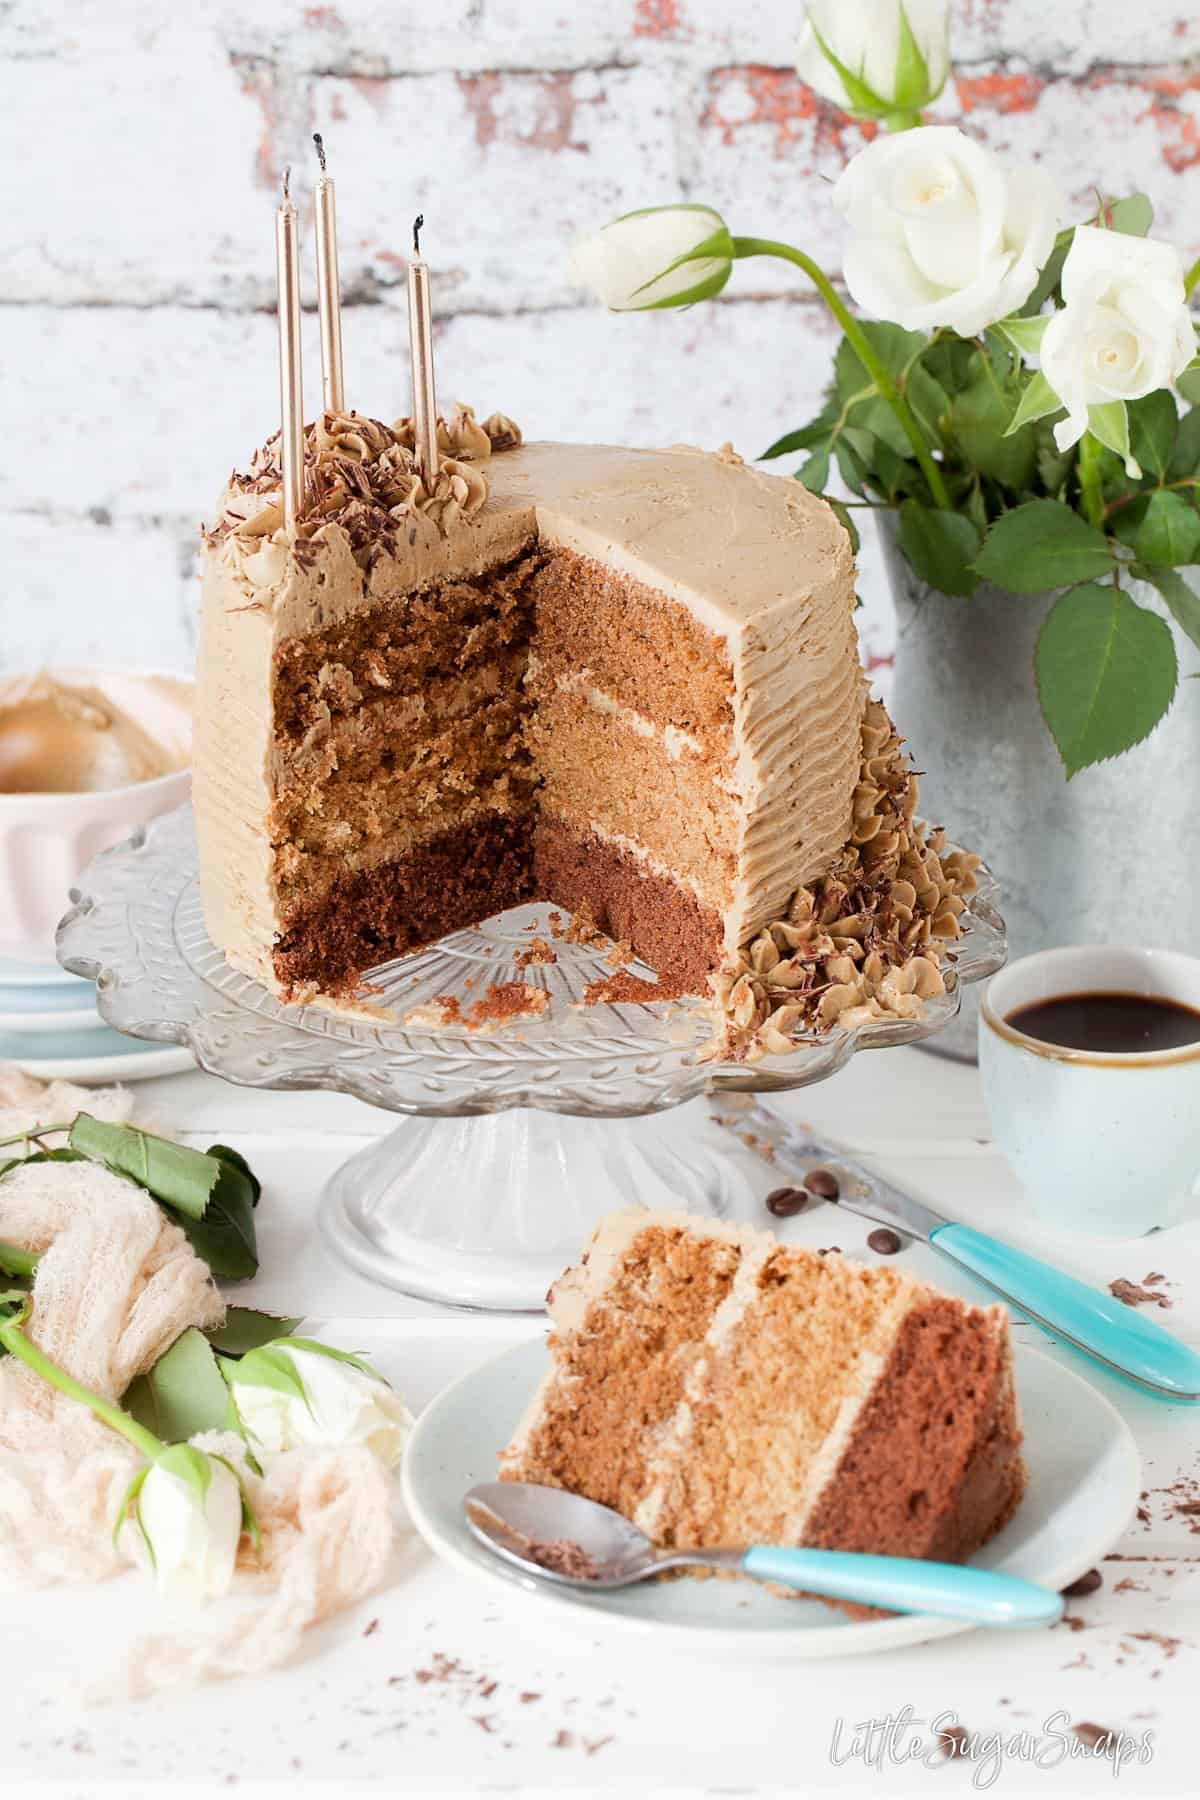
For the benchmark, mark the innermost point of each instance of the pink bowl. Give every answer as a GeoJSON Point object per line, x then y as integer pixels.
{"type": "Point", "coordinates": [47, 839]}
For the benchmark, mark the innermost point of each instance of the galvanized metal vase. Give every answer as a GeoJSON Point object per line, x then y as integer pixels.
{"type": "Point", "coordinates": [1110, 857]}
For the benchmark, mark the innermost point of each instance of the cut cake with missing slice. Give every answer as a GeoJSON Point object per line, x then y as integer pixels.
{"type": "Point", "coordinates": [722, 1389]}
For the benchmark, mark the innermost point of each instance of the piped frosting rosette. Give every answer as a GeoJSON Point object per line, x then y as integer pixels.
{"type": "Point", "coordinates": [364, 475]}
{"type": "Point", "coordinates": [863, 942]}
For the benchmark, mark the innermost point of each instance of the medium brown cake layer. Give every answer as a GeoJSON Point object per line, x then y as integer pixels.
{"type": "Point", "coordinates": [373, 789]}
{"type": "Point", "coordinates": [367, 917]}
{"type": "Point", "coordinates": [624, 1371]}
{"type": "Point", "coordinates": [665, 923]}
{"type": "Point", "coordinates": [598, 774]}
{"type": "Point", "coordinates": [812, 1334]}
{"type": "Point", "coordinates": [646, 651]}
{"type": "Point", "coordinates": [933, 1466]}
{"type": "Point", "coordinates": [386, 725]}
{"type": "Point", "coordinates": [399, 644]}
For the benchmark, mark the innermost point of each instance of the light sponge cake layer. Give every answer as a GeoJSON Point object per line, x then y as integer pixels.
{"type": "Point", "coordinates": [720, 1389]}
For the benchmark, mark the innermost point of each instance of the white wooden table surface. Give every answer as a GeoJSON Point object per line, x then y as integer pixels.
{"type": "Point", "coordinates": [539, 1706]}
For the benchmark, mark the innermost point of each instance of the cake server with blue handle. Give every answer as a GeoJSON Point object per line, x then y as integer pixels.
{"type": "Point", "coordinates": [1096, 1323]}
{"type": "Point", "coordinates": [574, 1542]}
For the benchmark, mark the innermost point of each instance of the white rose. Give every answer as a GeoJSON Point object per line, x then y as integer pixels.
{"type": "Point", "coordinates": [662, 256]}
{"type": "Point", "coordinates": [1123, 330]}
{"type": "Point", "coordinates": [941, 233]}
{"type": "Point", "coordinates": [876, 57]}
{"type": "Point", "coordinates": [296, 1391]}
{"type": "Point", "coordinates": [190, 1511]}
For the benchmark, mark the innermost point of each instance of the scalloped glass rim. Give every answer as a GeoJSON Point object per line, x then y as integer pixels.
{"type": "Point", "coordinates": [137, 930]}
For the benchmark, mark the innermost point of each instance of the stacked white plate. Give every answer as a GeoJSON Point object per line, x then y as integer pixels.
{"type": "Point", "coordinates": [49, 1027]}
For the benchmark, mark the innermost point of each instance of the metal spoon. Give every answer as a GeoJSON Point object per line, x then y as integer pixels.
{"type": "Point", "coordinates": [563, 1538]}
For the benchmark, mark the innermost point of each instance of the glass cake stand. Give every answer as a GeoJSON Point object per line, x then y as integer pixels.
{"type": "Point", "coordinates": [505, 1159]}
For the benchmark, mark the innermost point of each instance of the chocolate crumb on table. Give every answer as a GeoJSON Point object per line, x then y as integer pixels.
{"type": "Point", "coordinates": [1086, 1583]}
{"type": "Point", "coordinates": [1092, 1735]}
{"type": "Point", "coordinates": [954, 1741]}
{"type": "Point", "coordinates": [1134, 1294]}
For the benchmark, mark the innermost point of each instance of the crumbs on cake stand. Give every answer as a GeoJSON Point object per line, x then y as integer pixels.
{"type": "Point", "coordinates": [498, 1004]}
{"type": "Point", "coordinates": [536, 951]}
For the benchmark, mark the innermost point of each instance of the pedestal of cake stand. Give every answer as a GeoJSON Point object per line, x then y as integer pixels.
{"type": "Point", "coordinates": [513, 1144]}
{"type": "Point", "coordinates": [488, 1211]}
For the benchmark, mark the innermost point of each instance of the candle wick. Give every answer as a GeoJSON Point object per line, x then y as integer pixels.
{"type": "Point", "coordinates": [320, 149]}
{"type": "Point", "coordinates": [287, 176]}
{"type": "Point", "coordinates": [417, 224]}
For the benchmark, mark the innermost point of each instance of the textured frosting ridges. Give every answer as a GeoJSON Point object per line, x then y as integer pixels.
{"type": "Point", "coordinates": [719, 1388]}
{"type": "Point", "coordinates": [728, 769]}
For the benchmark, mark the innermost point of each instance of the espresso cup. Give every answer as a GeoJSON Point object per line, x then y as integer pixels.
{"type": "Point", "coordinates": [1102, 1142]}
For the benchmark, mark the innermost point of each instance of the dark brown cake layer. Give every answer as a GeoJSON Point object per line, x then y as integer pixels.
{"type": "Point", "coordinates": [370, 915]}
{"type": "Point", "coordinates": [665, 923]}
{"type": "Point", "coordinates": [933, 1467]}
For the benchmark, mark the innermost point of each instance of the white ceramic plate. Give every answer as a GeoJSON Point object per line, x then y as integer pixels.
{"type": "Point", "coordinates": [1084, 1479]}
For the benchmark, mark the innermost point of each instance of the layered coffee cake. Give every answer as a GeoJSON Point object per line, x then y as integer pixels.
{"type": "Point", "coordinates": [625, 679]}
{"type": "Point", "coordinates": [721, 1390]}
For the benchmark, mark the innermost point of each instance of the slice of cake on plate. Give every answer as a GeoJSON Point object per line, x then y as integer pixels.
{"type": "Point", "coordinates": [720, 1389]}
{"type": "Point", "coordinates": [577, 673]}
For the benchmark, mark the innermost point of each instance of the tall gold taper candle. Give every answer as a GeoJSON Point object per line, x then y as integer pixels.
{"type": "Point", "coordinates": [420, 339]}
{"type": "Point", "coordinates": [291, 396]}
{"type": "Point", "coordinates": [329, 289]}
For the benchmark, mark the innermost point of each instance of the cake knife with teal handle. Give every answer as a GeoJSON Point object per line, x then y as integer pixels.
{"type": "Point", "coordinates": [1094, 1322]}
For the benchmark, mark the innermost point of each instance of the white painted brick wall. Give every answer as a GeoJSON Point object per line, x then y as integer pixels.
{"type": "Point", "coordinates": [141, 148]}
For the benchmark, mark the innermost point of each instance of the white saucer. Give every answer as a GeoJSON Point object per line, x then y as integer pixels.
{"type": "Point", "coordinates": [67, 1015]}
{"type": "Point", "coordinates": [97, 1054]}
{"type": "Point", "coordinates": [1084, 1479]}
{"type": "Point", "coordinates": [15, 973]}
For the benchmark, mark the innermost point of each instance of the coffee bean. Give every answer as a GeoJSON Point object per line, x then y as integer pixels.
{"type": "Point", "coordinates": [1087, 1584]}
{"type": "Point", "coordinates": [884, 1242]}
{"type": "Point", "coordinates": [823, 1183]}
{"type": "Point", "coordinates": [785, 1203]}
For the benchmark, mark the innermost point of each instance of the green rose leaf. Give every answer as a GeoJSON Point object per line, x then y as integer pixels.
{"type": "Point", "coordinates": [1043, 544]}
{"type": "Point", "coordinates": [210, 1196]}
{"type": "Point", "coordinates": [1025, 335]}
{"type": "Point", "coordinates": [1185, 458]}
{"type": "Point", "coordinates": [1037, 401]}
{"type": "Point", "coordinates": [940, 546]}
{"type": "Point", "coordinates": [1106, 673]}
{"type": "Point", "coordinates": [979, 420]}
{"type": "Point", "coordinates": [846, 521]}
{"type": "Point", "coordinates": [183, 1393]}
{"type": "Point", "coordinates": [816, 432]}
{"type": "Point", "coordinates": [246, 1329]}
{"type": "Point", "coordinates": [1126, 521]}
{"type": "Point", "coordinates": [1180, 596]}
{"type": "Point", "coordinates": [1153, 427]}
{"type": "Point", "coordinates": [814, 470]}
{"type": "Point", "coordinates": [1133, 216]}
{"type": "Point", "coordinates": [929, 401]}
{"type": "Point", "coordinates": [1170, 531]}
{"type": "Point", "coordinates": [1109, 424]}
{"type": "Point", "coordinates": [1189, 384]}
